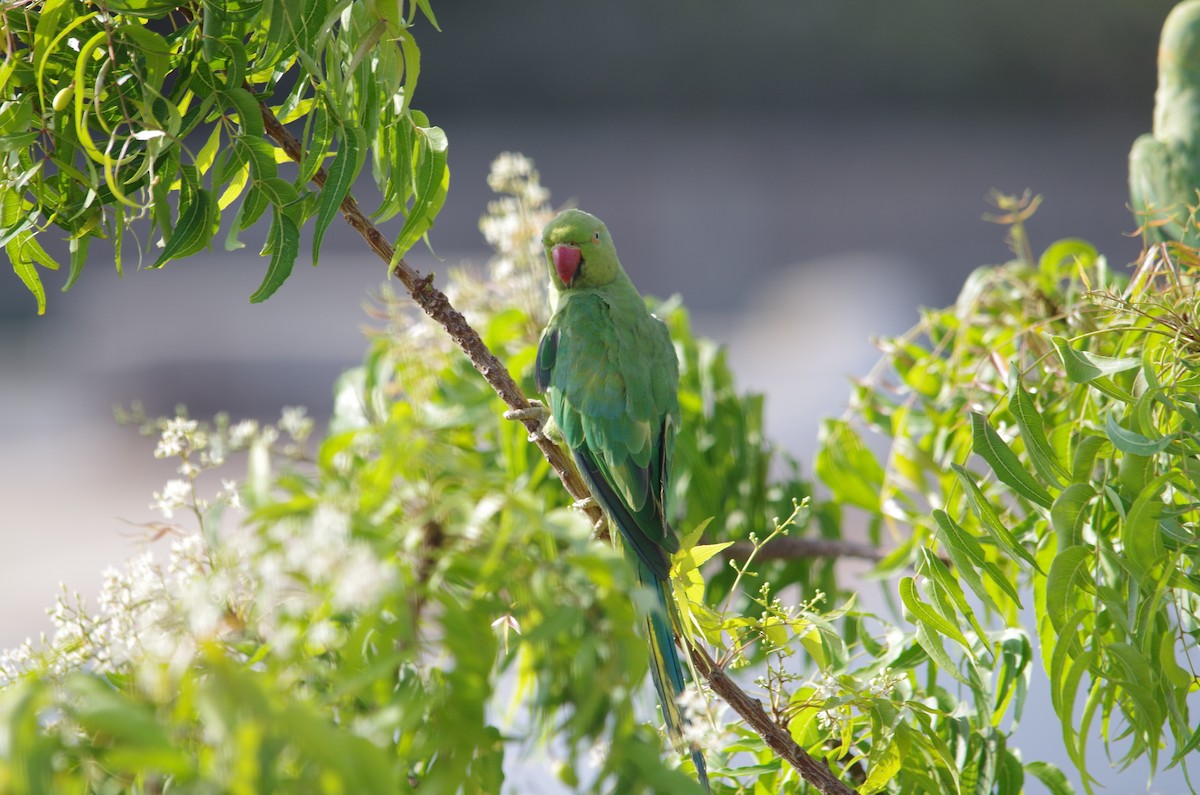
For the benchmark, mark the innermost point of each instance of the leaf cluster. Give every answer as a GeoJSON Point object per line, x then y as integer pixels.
{"type": "Point", "coordinates": [161, 111]}
{"type": "Point", "coordinates": [1043, 443]}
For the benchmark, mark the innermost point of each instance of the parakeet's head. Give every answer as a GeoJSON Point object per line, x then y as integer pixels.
{"type": "Point", "coordinates": [580, 251]}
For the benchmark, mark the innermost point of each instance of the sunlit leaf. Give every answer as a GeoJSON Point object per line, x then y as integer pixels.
{"type": "Point", "coordinates": [343, 171]}
{"type": "Point", "coordinates": [1005, 463]}
{"type": "Point", "coordinates": [284, 242]}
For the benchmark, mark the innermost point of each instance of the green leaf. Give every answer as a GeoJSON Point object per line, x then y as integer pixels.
{"type": "Point", "coordinates": [1084, 458]}
{"type": "Point", "coordinates": [968, 557]}
{"type": "Point", "coordinates": [195, 227]}
{"type": "Point", "coordinates": [943, 581]}
{"type": "Point", "coordinates": [79, 251]}
{"type": "Point", "coordinates": [847, 466]}
{"type": "Point", "coordinates": [1132, 442]}
{"type": "Point", "coordinates": [249, 114]}
{"type": "Point", "coordinates": [1083, 367]}
{"type": "Point", "coordinates": [1004, 462]}
{"type": "Point", "coordinates": [130, 726]}
{"type": "Point", "coordinates": [412, 66]}
{"type": "Point", "coordinates": [883, 763]}
{"type": "Point", "coordinates": [318, 145]}
{"type": "Point", "coordinates": [278, 191]}
{"type": "Point", "coordinates": [284, 242]}
{"type": "Point", "coordinates": [1033, 433]}
{"type": "Point", "coordinates": [922, 612]}
{"type": "Point", "coordinates": [252, 207]}
{"type": "Point", "coordinates": [991, 522]}
{"type": "Point", "coordinates": [26, 272]}
{"type": "Point", "coordinates": [1140, 536]}
{"type": "Point", "coordinates": [1054, 779]}
{"type": "Point", "coordinates": [1067, 513]}
{"type": "Point", "coordinates": [348, 162]}
{"type": "Point", "coordinates": [1063, 583]}
{"type": "Point", "coordinates": [431, 181]}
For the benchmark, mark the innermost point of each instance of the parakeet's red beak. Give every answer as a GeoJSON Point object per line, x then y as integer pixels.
{"type": "Point", "coordinates": [566, 262]}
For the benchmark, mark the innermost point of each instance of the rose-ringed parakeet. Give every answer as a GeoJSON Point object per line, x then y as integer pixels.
{"type": "Point", "coordinates": [609, 370]}
{"type": "Point", "coordinates": [1164, 165]}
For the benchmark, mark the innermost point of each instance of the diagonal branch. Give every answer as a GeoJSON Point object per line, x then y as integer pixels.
{"type": "Point", "coordinates": [776, 736]}
{"type": "Point", "coordinates": [438, 307]}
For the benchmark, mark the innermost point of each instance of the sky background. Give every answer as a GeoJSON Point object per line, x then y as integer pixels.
{"type": "Point", "coordinates": [804, 173]}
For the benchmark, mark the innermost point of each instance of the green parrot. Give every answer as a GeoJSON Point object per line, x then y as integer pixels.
{"type": "Point", "coordinates": [1164, 165]}
{"type": "Point", "coordinates": [609, 370]}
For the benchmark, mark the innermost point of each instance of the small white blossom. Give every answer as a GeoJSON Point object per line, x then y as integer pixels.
{"type": "Point", "coordinates": [322, 635]}
{"type": "Point", "coordinates": [229, 492]}
{"type": "Point", "coordinates": [508, 170]}
{"type": "Point", "coordinates": [173, 496]}
{"type": "Point", "coordinates": [883, 683]}
{"type": "Point", "coordinates": [295, 423]}
{"type": "Point", "coordinates": [242, 434]}
{"type": "Point", "coordinates": [598, 754]}
{"type": "Point", "coordinates": [180, 436]}
{"type": "Point", "coordinates": [703, 723]}
{"type": "Point", "coordinates": [360, 580]}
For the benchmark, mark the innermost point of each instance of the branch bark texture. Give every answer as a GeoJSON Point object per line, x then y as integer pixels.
{"type": "Point", "coordinates": [435, 304]}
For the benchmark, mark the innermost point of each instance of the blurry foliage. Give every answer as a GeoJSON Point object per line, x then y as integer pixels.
{"type": "Point", "coordinates": [135, 110]}
{"type": "Point", "coordinates": [1043, 437]}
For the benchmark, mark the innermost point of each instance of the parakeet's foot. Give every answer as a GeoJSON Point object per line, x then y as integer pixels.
{"type": "Point", "coordinates": [584, 504]}
{"type": "Point", "coordinates": [536, 411]}
{"type": "Point", "coordinates": [600, 528]}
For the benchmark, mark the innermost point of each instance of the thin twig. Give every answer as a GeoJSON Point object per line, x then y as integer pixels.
{"type": "Point", "coordinates": [786, 548]}
{"type": "Point", "coordinates": [438, 307]}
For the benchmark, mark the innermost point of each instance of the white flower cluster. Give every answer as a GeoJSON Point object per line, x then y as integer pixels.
{"type": "Point", "coordinates": [260, 584]}
{"type": "Point", "coordinates": [703, 717]}
{"type": "Point", "coordinates": [516, 276]}
{"type": "Point", "coordinates": [831, 719]}
{"type": "Point", "coordinates": [513, 227]}
{"type": "Point", "coordinates": [200, 447]}
{"type": "Point", "coordinates": [295, 422]}
{"type": "Point", "coordinates": [829, 688]}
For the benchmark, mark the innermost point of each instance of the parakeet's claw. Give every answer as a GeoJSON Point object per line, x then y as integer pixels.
{"type": "Point", "coordinates": [584, 504]}
{"type": "Point", "coordinates": [600, 528]}
{"type": "Point", "coordinates": [536, 411]}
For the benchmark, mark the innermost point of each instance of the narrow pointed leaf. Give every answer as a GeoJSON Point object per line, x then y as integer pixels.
{"type": "Point", "coordinates": [1082, 366]}
{"type": "Point", "coordinates": [990, 520]}
{"type": "Point", "coordinates": [1033, 433]}
{"type": "Point", "coordinates": [1005, 463]}
{"type": "Point", "coordinates": [346, 165]}
{"type": "Point", "coordinates": [284, 241]}
{"type": "Point", "coordinates": [1132, 442]}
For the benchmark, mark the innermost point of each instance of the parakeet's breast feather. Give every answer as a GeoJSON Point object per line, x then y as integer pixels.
{"type": "Point", "coordinates": [612, 381]}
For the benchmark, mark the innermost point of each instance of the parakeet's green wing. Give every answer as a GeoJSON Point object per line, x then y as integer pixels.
{"type": "Point", "coordinates": [544, 365]}
{"type": "Point", "coordinates": [611, 372]}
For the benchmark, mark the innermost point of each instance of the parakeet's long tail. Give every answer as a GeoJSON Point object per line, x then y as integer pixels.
{"type": "Point", "coordinates": [665, 666]}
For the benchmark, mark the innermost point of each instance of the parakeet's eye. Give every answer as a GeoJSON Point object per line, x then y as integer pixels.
{"type": "Point", "coordinates": [596, 236]}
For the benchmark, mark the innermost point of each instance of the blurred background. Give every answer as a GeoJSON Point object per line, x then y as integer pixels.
{"type": "Point", "coordinates": [805, 173]}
